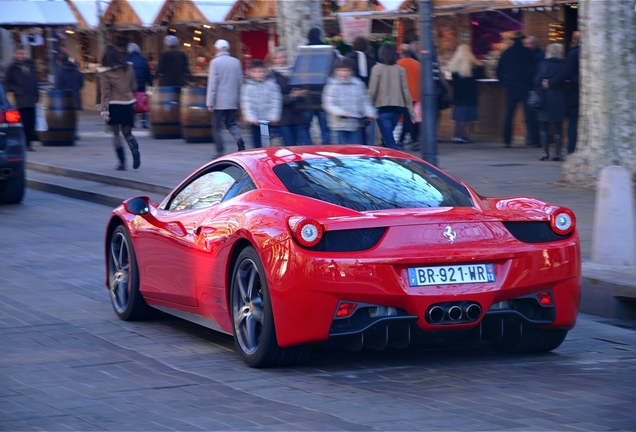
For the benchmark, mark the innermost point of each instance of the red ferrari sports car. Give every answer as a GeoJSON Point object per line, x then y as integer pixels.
{"type": "Point", "coordinates": [285, 247]}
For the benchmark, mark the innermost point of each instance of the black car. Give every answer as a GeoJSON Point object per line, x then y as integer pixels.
{"type": "Point", "coordinates": [12, 153]}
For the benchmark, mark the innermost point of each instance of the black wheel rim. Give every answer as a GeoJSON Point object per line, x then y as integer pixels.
{"type": "Point", "coordinates": [247, 306]}
{"type": "Point", "coordinates": [119, 272]}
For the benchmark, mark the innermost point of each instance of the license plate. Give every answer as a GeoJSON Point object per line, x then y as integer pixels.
{"type": "Point", "coordinates": [445, 275]}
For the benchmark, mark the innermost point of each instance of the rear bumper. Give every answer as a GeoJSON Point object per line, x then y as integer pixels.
{"type": "Point", "coordinates": [306, 289]}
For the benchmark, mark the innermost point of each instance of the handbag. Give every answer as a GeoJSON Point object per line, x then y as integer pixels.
{"type": "Point", "coordinates": [535, 99]}
{"type": "Point", "coordinates": [141, 102]}
{"type": "Point", "coordinates": [417, 107]}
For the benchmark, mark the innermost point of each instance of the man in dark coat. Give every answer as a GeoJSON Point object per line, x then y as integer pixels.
{"type": "Point", "coordinates": [173, 65]}
{"type": "Point", "coordinates": [538, 55]}
{"type": "Point", "coordinates": [21, 80]}
{"type": "Point", "coordinates": [514, 72]}
{"type": "Point", "coordinates": [69, 77]}
{"type": "Point", "coordinates": [142, 73]}
{"type": "Point", "coordinates": [572, 91]}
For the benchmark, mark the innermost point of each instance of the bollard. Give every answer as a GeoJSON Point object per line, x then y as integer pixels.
{"type": "Point", "coordinates": [613, 236]}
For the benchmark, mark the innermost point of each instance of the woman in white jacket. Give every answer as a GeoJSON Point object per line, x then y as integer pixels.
{"type": "Point", "coordinates": [347, 103]}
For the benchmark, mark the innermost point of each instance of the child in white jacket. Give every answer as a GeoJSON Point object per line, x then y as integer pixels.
{"type": "Point", "coordinates": [261, 100]}
{"type": "Point", "coordinates": [346, 101]}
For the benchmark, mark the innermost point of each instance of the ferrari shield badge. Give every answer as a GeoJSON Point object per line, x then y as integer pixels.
{"type": "Point", "coordinates": [450, 234]}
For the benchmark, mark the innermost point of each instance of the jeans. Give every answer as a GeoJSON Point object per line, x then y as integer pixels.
{"type": "Point", "coordinates": [28, 124]}
{"type": "Point", "coordinates": [289, 134]}
{"type": "Point", "coordinates": [573, 119]}
{"type": "Point", "coordinates": [350, 137]}
{"type": "Point", "coordinates": [229, 117]}
{"type": "Point", "coordinates": [387, 122]}
{"type": "Point", "coordinates": [256, 135]}
{"type": "Point", "coordinates": [304, 136]}
{"type": "Point", "coordinates": [512, 100]}
{"type": "Point", "coordinates": [409, 127]}
{"type": "Point", "coordinates": [369, 133]}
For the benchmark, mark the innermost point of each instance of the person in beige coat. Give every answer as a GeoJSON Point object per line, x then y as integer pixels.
{"type": "Point", "coordinates": [390, 94]}
{"type": "Point", "coordinates": [118, 83]}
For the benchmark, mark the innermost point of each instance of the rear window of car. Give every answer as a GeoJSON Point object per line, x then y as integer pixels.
{"type": "Point", "coordinates": [373, 183]}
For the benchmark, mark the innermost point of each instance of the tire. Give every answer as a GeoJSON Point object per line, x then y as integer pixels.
{"type": "Point", "coordinates": [534, 340]}
{"type": "Point", "coordinates": [252, 317]}
{"type": "Point", "coordinates": [123, 279]}
{"type": "Point", "coordinates": [12, 190]}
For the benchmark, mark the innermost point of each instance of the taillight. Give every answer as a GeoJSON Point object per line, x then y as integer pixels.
{"type": "Point", "coordinates": [307, 232]}
{"type": "Point", "coordinates": [11, 116]}
{"type": "Point", "coordinates": [562, 221]}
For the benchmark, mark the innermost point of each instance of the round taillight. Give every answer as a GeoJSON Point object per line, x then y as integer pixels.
{"type": "Point", "coordinates": [308, 232]}
{"type": "Point", "coordinates": [562, 221]}
{"type": "Point", "coordinates": [12, 116]}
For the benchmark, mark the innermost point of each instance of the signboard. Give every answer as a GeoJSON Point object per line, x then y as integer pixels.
{"type": "Point", "coordinates": [354, 24]}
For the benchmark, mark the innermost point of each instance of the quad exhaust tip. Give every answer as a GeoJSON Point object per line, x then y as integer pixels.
{"type": "Point", "coordinates": [6, 173]}
{"type": "Point", "coordinates": [456, 312]}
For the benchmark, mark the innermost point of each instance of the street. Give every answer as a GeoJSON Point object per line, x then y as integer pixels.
{"type": "Point", "coordinates": [68, 363]}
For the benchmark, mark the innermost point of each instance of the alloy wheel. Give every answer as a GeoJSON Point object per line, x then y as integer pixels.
{"type": "Point", "coordinates": [119, 272]}
{"type": "Point", "coordinates": [247, 306]}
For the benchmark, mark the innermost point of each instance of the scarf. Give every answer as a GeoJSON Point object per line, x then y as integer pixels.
{"type": "Point", "coordinates": [362, 64]}
{"type": "Point", "coordinates": [283, 70]}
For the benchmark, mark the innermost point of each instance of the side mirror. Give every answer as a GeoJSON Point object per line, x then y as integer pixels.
{"type": "Point", "coordinates": [138, 206]}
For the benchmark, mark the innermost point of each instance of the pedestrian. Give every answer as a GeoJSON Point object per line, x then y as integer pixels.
{"type": "Point", "coordinates": [21, 80]}
{"type": "Point", "coordinates": [346, 100]}
{"type": "Point", "coordinates": [118, 82]}
{"type": "Point", "coordinates": [553, 110]}
{"type": "Point", "coordinates": [514, 72]}
{"type": "Point", "coordinates": [466, 69]}
{"type": "Point", "coordinates": [364, 59]}
{"type": "Point", "coordinates": [69, 77]}
{"type": "Point", "coordinates": [173, 68]}
{"type": "Point", "coordinates": [413, 71]}
{"type": "Point", "coordinates": [225, 79]}
{"type": "Point", "coordinates": [314, 37]}
{"type": "Point", "coordinates": [389, 93]}
{"type": "Point", "coordinates": [142, 73]}
{"type": "Point", "coordinates": [290, 120]}
{"type": "Point", "coordinates": [538, 55]}
{"type": "Point", "coordinates": [261, 100]}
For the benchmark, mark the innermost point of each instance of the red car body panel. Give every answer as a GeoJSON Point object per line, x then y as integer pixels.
{"type": "Point", "coordinates": [185, 257]}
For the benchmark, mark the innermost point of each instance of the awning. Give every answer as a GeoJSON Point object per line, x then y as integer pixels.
{"type": "Point", "coordinates": [86, 12]}
{"type": "Point", "coordinates": [36, 12]}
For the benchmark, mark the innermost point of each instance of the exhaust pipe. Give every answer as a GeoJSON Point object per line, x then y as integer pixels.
{"type": "Point", "coordinates": [6, 173]}
{"type": "Point", "coordinates": [436, 314]}
{"type": "Point", "coordinates": [472, 311]}
{"type": "Point", "coordinates": [454, 313]}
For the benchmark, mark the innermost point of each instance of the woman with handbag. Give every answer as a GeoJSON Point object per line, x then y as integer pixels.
{"type": "Point", "coordinates": [143, 76]}
{"type": "Point", "coordinates": [466, 69]}
{"type": "Point", "coordinates": [117, 85]}
{"type": "Point", "coordinates": [553, 106]}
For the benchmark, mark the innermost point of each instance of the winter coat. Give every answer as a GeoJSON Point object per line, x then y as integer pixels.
{"type": "Point", "coordinates": [68, 77]}
{"type": "Point", "coordinates": [142, 70]}
{"type": "Point", "coordinates": [290, 116]}
{"type": "Point", "coordinates": [554, 107]}
{"type": "Point", "coordinates": [117, 86]}
{"type": "Point", "coordinates": [465, 88]}
{"type": "Point", "coordinates": [570, 77]}
{"type": "Point", "coordinates": [173, 68]}
{"type": "Point", "coordinates": [388, 88]}
{"type": "Point", "coordinates": [21, 80]}
{"type": "Point", "coordinates": [261, 100]}
{"type": "Point", "coordinates": [515, 68]}
{"type": "Point", "coordinates": [341, 97]}
{"type": "Point", "coordinates": [225, 79]}
{"type": "Point", "coordinates": [413, 70]}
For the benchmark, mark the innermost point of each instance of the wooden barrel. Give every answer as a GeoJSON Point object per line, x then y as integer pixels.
{"type": "Point", "coordinates": [196, 120]}
{"type": "Point", "coordinates": [61, 118]}
{"type": "Point", "coordinates": [164, 113]}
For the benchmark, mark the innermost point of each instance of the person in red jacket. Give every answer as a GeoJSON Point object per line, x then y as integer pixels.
{"type": "Point", "coordinates": [412, 66]}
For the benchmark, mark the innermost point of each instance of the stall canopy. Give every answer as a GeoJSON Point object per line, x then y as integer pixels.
{"type": "Point", "coordinates": [132, 13]}
{"type": "Point", "coordinates": [443, 7]}
{"type": "Point", "coordinates": [36, 12]}
{"type": "Point", "coordinates": [197, 11]}
{"type": "Point", "coordinates": [87, 12]}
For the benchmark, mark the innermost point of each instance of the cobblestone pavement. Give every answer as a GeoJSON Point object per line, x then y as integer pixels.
{"type": "Point", "coordinates": [68, 363]}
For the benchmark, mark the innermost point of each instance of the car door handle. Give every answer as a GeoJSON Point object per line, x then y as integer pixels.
{"type": "Point", "coordinates": [202, 230]}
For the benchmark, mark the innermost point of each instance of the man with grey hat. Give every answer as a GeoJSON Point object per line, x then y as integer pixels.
{"type": "Point", "coordinates": [514, 72]}
{"type": "Point", "coordinates": [173, 68]}
{"type": "Point", "coordinates": [225, 79]}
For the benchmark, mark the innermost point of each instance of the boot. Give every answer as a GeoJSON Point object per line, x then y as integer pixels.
{"type": "Point", "coordinates": [558, 142]}
{"type": "Point", "coordinates": [134, 148]}
{"type": "Point", "coordinates": [122, 159]}
{"type": "Point", "coordinates": [543, 135]}
{"type": "Point", "coordinates": [240, 144]}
